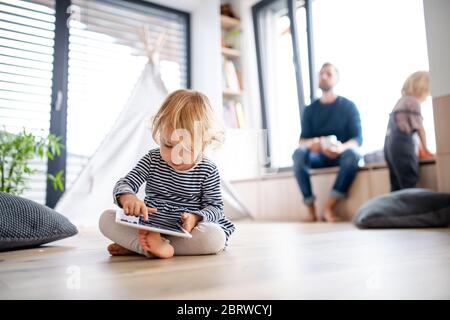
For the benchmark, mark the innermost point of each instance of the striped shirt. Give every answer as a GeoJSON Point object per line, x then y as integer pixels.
{"type": "Point", "coordinates": [174, 192]}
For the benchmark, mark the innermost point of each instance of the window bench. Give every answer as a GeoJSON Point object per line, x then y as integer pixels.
{"type": "Point", "coordinates": [277, 197]}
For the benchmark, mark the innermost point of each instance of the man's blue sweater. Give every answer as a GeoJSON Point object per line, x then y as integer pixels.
{"type": "Point", "coordinates": [340, 118]}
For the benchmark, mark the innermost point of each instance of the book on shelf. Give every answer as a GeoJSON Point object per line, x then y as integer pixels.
{"type": "Point", "coordinates": [239, 115]}
{"type": "Point", "coordinates": [224, 76]}
{"type": "Point", "coordinates": [231, 77]}
{"type": "Point", "coordinates": [233, 114]}
{"type": "Point", "coordinates": [229, 115]}
{"type": "Point", "coordinates": [239, 77]}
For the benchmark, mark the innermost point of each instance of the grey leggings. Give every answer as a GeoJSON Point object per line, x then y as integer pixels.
{"type": "Point", "coordinates": [207, 237]}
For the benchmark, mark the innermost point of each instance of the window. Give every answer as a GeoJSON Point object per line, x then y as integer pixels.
{"type": "Point", "coordinates": [93, 51]}
{"type": "Point", "coordinates": [281, 76]}
{"type": "Point", "coordinates": [375, 45]}
{"type": "Point", "coordinates": [304, 47]}
{"type": "Point", "coordinates": [106, 57]}
{"type": "Point", "coordinates": [26, 64]}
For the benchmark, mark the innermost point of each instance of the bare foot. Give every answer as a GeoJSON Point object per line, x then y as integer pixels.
{"type": "Point", "coordinates": [311, 216]}
{"type": "Point", "coordinates": [116, 250]}
{"type": "Point", "coordinates": [330, 216]}
{"type": "Point", "coordinates": [328, 210]}
{"type": "Point", "coordinates": [155, 244]}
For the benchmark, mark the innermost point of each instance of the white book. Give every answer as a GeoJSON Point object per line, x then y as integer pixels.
{"type": "Point", "coordinates": [231, 76]}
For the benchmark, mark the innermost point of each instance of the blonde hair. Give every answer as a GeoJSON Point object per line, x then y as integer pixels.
{"type": "Point", "coordinates": [187, 110]}
{"type": "Point", "coordinates": [417, 85]}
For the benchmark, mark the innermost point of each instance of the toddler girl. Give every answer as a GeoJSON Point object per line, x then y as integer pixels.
{"type": "Point", "coordinates": [182, 185]}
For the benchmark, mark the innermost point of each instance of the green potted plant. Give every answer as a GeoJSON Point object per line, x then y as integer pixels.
{"type": "Point", "coordinates": [16, 152]}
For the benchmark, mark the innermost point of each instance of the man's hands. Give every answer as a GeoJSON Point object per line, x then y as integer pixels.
{"type": "Point", "coordinates": [190, 220]}
{"type": "Point", "coordinates": [334, 151]}
{"type": "Point", "coordinates": [132, 205]}
{"type": "Point", "coordinates": [314, 145]}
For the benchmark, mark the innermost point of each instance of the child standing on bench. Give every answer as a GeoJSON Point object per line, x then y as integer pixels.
{"type": "Point", "coordinates": [181, 184]}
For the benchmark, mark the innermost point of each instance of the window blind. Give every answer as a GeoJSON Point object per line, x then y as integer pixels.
{"type": "Point", "coordinates": [26, 57]}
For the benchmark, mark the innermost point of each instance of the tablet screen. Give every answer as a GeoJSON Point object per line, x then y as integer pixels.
{"type": "Point", "coordinates": [155, 222]}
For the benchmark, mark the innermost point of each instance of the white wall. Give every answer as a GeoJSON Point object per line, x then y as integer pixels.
{"type": "Point", "coordinates": [206, 56]}
{"type": "Point", "coordinates": [437, 20]}
{"type": "Point", "coordinates": [437, 16]}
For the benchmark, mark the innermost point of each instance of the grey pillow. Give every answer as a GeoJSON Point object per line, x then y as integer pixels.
{"type": "Point", "coordinates": [408, 208]}
{"type": "Point", "coordinates": [25, 223]}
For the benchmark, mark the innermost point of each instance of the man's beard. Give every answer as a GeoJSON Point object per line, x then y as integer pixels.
{"type": "Point", "coordinates": [325, 88]}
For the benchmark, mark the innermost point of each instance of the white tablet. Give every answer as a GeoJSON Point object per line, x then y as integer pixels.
{"type": "Point", "coordinates": [153, 224]}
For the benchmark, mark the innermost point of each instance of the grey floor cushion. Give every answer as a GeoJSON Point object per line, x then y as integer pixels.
{"type": "Point", "coordinates": [25, 223]}
{"type": "Point", "coordinates": [408, 208]}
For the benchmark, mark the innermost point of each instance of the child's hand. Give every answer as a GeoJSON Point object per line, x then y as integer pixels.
{"type": "Point", "coordinates": [132, 205]}
{"type": "Point", "coordinates": [189, 221]}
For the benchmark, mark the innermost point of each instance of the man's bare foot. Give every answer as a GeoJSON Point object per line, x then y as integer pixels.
{"type": "Point", "coordinates": [328, 210]}
{"type": "Point", "coordinates": [330, 216]}
{"type": "Point", "coordinates": [116, 250]}
{"type": "Point", "coordinates": [311, 216]}
{"type": "Point", "coordinates": [155, 244]}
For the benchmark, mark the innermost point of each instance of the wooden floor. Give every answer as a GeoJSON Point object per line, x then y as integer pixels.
{"type": "Point", "coordinates": [264, 261]}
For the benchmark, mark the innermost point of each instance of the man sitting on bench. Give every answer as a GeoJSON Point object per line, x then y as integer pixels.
{"type": "Point", "coordinates": [331, 135]}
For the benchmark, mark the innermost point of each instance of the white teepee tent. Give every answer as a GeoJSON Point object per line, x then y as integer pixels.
{"type": "Point", "coordinates": [127, 142]}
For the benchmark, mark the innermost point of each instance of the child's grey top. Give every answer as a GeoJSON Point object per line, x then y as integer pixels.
{"type": "Point", "coordinates": [407, 114]}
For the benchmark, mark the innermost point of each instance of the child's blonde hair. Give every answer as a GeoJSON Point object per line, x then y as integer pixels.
{"type": "Point", "coordinates": [417, 85]}
{"type": "Point", "coordinates": [187, 110]}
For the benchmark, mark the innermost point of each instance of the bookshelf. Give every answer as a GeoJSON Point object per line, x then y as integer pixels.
{"type": "Point", "coordinates": [231, 53]}
{"type": "Point", "coordinates": [239, 156]}
{"type": "Point", "coordinates": [229, 93]}
{"type": "Point", "coordinates": [232, 89]}
{"type": "Point", "coordinates": [229, 22]}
